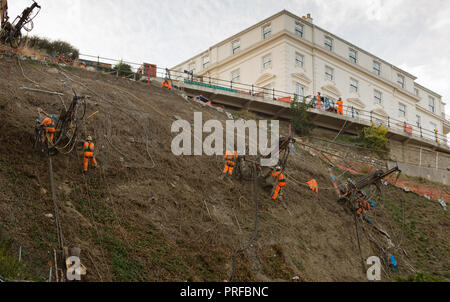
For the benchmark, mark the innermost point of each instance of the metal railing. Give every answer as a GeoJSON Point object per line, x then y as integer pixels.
{"type": "Point", "coordinates": [328, 105]}
{"type": "Point", "coordinates": [272, 94]}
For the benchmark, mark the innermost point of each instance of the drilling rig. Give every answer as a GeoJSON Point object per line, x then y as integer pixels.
{"type": "Point", "coordinates": [10, 32]}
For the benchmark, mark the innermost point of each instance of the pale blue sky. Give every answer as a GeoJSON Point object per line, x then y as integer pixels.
{"type": "Point", "coordinates": [412, 34]}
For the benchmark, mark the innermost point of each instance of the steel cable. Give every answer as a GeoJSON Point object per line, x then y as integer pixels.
{"type": "Point", "coordinates": [255, 231]}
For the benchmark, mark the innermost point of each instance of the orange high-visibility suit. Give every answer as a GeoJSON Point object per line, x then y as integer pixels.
{"type": "Point", "coordinates": [230, 159]}
{"type": "Point", "coordinates": [88, 149]}
{"type": "Point", "coordinates": [319, 103]}
{"type": "Point", "coordinates": [313, 185]}
{"type": "Point", "coordinates": [49, 126]}
{"type": "Point", "coordinates": [364, 206]}
{"type": "Point", "coordinates": [436, 131]}
{"type": "Point", "coordinates": [166, 84]}
{"type": "Point", "coordinates": [280, 184]}
{"type": "Point", "coordinates": [340, 108]}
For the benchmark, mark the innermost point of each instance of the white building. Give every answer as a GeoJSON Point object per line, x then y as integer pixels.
{"type": "Point", "coordinates": [291, 54]}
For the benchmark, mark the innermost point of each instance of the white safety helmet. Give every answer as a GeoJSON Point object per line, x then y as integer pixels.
{"type": "Point", "coordinates": [278, 168]}
{"type": "Point", "coordinates": [89, 138]}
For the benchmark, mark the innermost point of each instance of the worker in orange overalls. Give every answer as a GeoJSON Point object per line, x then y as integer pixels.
{"type": "Point", "coordinates": [313, 185]}
{"type": "Point", "coordinates": [340, 108]}
{"type": "Point", "coordinates": [318, 101]}
{"type": "Point", "coordinates": [166, 84]}
{"type": "Point", "coordinates": [363, 207]}
{"type": "Point", "coordinates": [281, 182]}
{"type": "Point", "coordinates": [230, 160]}
{"type": "Point", "coordinates": [88, 148]}
{"type": "Point", "coordinates": [49, 124]}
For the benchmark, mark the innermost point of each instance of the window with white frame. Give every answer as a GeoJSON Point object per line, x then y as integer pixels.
{"type": "Point", "coordinates": [431, 104]}
{"type": "Point", "coordinates": [299, 91]}
{"type": "Point", "coordinates": [416, 92]}
{"type": "Point", "coordinates": [267, 62]}
{"type": "Point", "coordinates": [376, 68]}
{"type": "Point", "coordinates": [377, 96]}
{"type": "Point", "coordinates": [400, 81]}
{"type": "Point", "coordinates": [266, 31]}
{"type": "Point", "coordinates": [299, 29]}
{"type": "Point", "coordinates": [353, 85]}
{"type": "Point", "coordinates": [401, 110]}
{"type": "Point", "coordinates": [352, 55]}
{"type": "Point", "coordinates": [205, 62]}
{"type": "Point", "coordinates": [418, 121]}
{"type": "Point", "coordinates": [236, 75]}
{"type": "Point", "coordinates": [328, 42]}
{"type": "Point", "coordinates": [329, 73]}
{"type": "Point", "coordinates": [235, 46]}
{"type": "Point", "coordinates": [192, 67]}
{"type": "Point", "coordinates": [299, 59]}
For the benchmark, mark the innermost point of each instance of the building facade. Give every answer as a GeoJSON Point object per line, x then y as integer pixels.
{"type": "Point", "coordinates": [291, 54]}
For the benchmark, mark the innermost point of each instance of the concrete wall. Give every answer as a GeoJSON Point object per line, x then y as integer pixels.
{"type": "Point", "coordinates": [423, 162]}
{"type": "Point", "coordinates": [441, 176]}
{"type": "Point", "coordinates": [412, 160]}
{"type": "Point", "coordinates": [419, 156]}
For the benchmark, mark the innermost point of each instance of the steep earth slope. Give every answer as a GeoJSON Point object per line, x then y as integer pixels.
{"type": "Point", "coordinates": [148, 215]}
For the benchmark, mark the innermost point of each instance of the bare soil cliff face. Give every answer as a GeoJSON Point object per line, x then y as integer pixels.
{"type": "Point", "coordinates": [147, 214]}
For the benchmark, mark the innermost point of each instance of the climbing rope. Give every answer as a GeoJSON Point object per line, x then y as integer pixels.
{"type": "Point", "coordinates": [108, 133]}
{"type": "Point", "coordinates": [359, 244]}
{"type": "Point", "coordinates": [255, 231]}
{"type": "Point", "coordinates": [93, 219]}
{"type": "Point", "coordinates": [342, 128]}
{"type": "Point", "coordinates": [55, 205]}
{"type": "Point", "coordinates": [121, 110]}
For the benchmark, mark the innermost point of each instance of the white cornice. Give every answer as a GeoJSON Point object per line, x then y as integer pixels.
{"type": "Point", "coordinates": [380, 111]}
{"type": "Point", "coordinates": [440, 118]}
{"type": "Point", "coordinates": [264, 79]}
{"type": "Point", "coordinates": [331, 89]}
{"type": "Point", "coordinates": [427, 90]}
{"type": "Point", "coordinates": [356, 101]}
{"type": "Point", "coordinates": [302, 77]}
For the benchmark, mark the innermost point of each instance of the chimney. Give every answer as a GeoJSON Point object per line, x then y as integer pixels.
{"type": "Point", "coordinates": [308, 18]}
